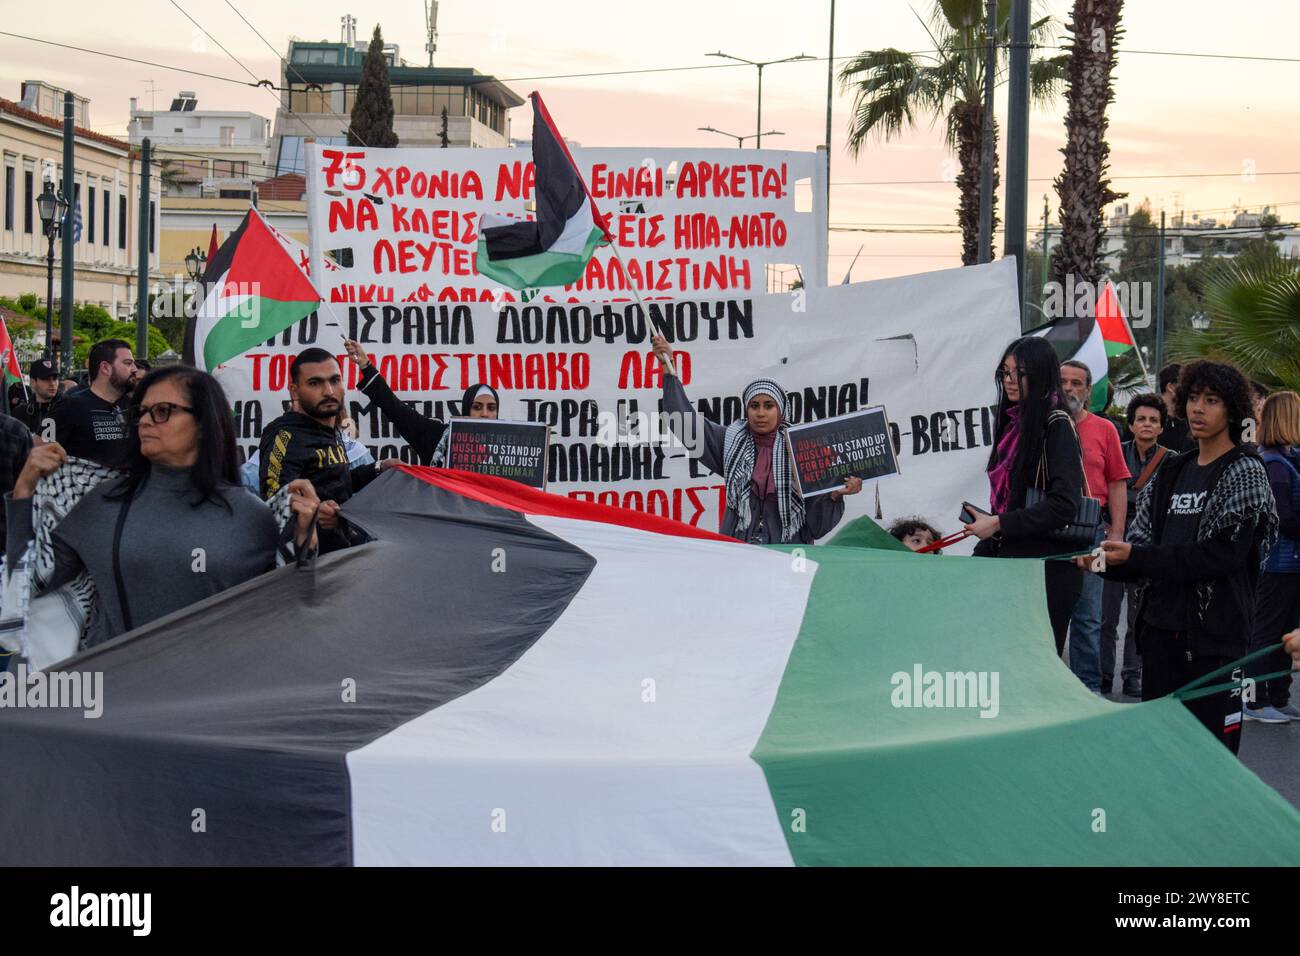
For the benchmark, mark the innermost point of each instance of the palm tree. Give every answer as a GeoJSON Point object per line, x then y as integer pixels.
{"type": "Point", "coordinates": [1083, 186]}
{"type": "Point", "coordinates": [896, 90]}
{"type": "Point", "coordinates": [1253, 310]}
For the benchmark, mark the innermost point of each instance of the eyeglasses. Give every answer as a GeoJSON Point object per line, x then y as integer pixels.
{"type": "Point", "coordinates": [158, 411]}
{"type": "Point", "coordinates": [1006, 373]}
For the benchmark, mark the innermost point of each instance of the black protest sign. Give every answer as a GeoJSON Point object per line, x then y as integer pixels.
{"type": "Point", "coordinates": [854, 445]}
{"type": "Point", "coordinates": [505, 449]}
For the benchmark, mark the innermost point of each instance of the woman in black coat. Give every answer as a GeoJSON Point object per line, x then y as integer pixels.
{"type": "Point", "coordinates": [1034, 446]}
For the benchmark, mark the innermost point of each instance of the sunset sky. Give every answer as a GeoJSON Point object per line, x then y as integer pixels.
{"type": "Point", "coordinates": [1172, 114]}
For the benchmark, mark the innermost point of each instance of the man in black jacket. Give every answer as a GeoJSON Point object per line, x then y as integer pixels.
{"type": "Point", "coordinates": [307, 444]}
{"type": "Point", "coordinates": [33, 406]}
{"type": "Point", "coordinates": [1199, 535]}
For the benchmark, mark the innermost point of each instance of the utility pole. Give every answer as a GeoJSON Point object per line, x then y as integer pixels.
{"type": "Point", "coordinates": [67, 235]}
{"type": "Point", "coordinates": [986, 145]}
{"type": "Point", "coordinates": [142, 258]}
{"type": "Point", "coordinates": [830, 90]}
{"type": "Point", "coordinates": [1013, 237]}
{"type": "Point", "coordinates": [1046, 214]}
{"type": "Point", "coordinates": [1160, 299]}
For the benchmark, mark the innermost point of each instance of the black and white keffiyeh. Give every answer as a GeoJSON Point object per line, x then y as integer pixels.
{"type": "Point", "coordinates": [1241, 501]}
{"type": "Point", "coordinates": [738, 456]}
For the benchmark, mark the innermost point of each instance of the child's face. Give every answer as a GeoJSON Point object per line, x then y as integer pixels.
{"type": "Point", "coordinates": [918, 540]}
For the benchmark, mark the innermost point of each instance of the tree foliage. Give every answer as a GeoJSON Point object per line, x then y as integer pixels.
{"type": "Point", "coordinates": [372, 112]}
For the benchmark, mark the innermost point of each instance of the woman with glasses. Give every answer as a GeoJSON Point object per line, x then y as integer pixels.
{"type": "Point", "coordinates": [1034, 446]}
{"type": "Point", "coordinates": [177, 527]}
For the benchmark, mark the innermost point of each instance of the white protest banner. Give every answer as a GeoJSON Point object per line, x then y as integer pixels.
{"type": "Point", "coordinates": [924, 346]}
{"type": "Point", "coordinates": [402, 224]}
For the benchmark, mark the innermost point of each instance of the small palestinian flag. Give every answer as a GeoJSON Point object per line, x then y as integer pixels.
{"type": "Point", "coordinates": [553, 249]}
{"type": "Point", "coordinates": [1115, 332]}
{"type": "Point", "coordinates": [253, 291]}
{"type": "Point", "coordinates": [1063, 334]}
{"type": "Point", "coordinates": [9, 358]}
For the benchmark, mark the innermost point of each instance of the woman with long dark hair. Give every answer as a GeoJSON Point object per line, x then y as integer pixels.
{"type": "Point", "coordinates": [1034, 446]}
{"type": "Point", "coordinates": [177, 527]}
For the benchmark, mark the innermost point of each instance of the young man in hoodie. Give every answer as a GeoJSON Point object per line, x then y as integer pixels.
{"type": "Point", "coordinates": [1202, 528]}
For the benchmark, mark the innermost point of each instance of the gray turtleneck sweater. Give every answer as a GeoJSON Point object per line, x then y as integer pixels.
{"type": "Point", "coordinates": [173, 553]}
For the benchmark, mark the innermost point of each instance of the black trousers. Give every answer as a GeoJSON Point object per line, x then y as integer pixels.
{"type": "Point", "coordinates": [1112, 599]}
{"type": "Point", "coordinates": [1277, 610]}
{"type": "Point", "coordinates": [1064, 581]}
{"type": "Point", "coordinates": [1167, 665]}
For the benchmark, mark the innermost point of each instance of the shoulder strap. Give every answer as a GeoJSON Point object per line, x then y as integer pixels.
{"type": "Point", "coordinates": [1152, 464]}
{"type": "Point", "coordinates": [1056, 415]}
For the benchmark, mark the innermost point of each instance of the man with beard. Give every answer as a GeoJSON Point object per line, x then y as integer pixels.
{"type": "Point", "coordinates": [1107, 478]}
{"type": "Point", "coordinates": [90, 423]}
{"type": "Point", "coordinates": [307, 443]}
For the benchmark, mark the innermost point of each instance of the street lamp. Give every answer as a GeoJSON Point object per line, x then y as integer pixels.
{"type": "Point", "coordinates": [740, 140]}
{"type": "Point", "coordinates": [758, 135]}
{"type": "Point", "coordinates": [52, 208]}
{"type": "Point", "coordinates": [195, 263]}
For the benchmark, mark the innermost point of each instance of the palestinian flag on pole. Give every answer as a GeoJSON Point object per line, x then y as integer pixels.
{"type": "Point", "coordinates": [13, 371]}
{"type": "Point", "coordinates": [1108, 337]}
{"type": "Point", "coordinates": [510, 677]}
{"type": "Point", "coordinates": [253, 290]}
{"type": "Point", "coordinates": [554, 248]}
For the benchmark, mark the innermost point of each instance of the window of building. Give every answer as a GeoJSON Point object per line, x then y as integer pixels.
{"type": "Point", "coordinates": [229, 169]}
{"type": "Point", "coordinates": [227, 136]}
{"type": "Point", "coordinates": [146, 122]}
{"type": "Point", "coordinates": [304, 100]}
{"type": "Point", "coordinates": [90, 216]}
{"type": "Point", "coordinates": [29, 185]}
{"type": "Point", "coordinates": [292, 155]}
{"type": "Point", "coordinates": [121, 222]}
{"type": "Point", "coordinates": [9, 197]}
{"type": "Point", "coordinates": [108, 209]}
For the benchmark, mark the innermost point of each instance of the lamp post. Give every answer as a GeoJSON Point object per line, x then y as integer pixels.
{"type": "Point", "coordinates": [195, 263]}
{"type": "Point", "coordinates": [758, 127]}
{"type": "Point", "coordinates": [740, 140]}
{"type": "Point", "coordinates": [52, 206]}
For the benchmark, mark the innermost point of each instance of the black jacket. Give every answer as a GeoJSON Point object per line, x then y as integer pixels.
{"type": "Point", "coordinates": [421, 433]}
{"type": "Point", "coordinates": [33, 413]}
{"type": "Point", "coordinates": [1230, 559]}
{"type": "Point", "coordinates": [297, 446]}
{"type": "Point", "coordinates": [1025, 530]}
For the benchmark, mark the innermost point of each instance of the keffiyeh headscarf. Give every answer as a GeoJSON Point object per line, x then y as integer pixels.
{"type": "Point", "coordinates": [739, 453]}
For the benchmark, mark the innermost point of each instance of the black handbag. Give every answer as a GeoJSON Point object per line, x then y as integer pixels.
{"type": "Point", "coordinates": [1082, 532]}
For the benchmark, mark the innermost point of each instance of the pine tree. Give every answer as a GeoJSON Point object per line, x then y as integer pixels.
{"type": "Point", "coordinates": [372, 113]}
{"type": "Point", "coordinates": [442, 133]}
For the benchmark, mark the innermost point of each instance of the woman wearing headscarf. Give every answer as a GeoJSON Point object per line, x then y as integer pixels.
{"type": "Point", "coordinates": [764, 505]}
{"type": "Point", "coordinates": [1034, 446]}
{"type": "Point", "coordinates": [479, 401]}
{"type": "Point", "coordinates": [428, 437]}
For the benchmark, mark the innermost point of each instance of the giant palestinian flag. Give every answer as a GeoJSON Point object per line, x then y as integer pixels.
{"type": "Point", "coordinates": [253, 290]}
{"type": "Point", "coordinates": [503, 676]}
{"type": "Point", "coordinates": [554, 248]}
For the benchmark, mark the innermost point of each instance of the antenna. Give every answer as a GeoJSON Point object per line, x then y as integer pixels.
{"type": "Point", "coordinates": [431, 25]}
{"type": "Point", "coordinates": [153, 87]}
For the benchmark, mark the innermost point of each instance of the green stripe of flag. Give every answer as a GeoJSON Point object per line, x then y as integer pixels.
{"type": "Point", "coordinates": [538, 271]}
{"type": "Point", "coordinates": [251, 322]}
{"type": "Point", "coordinates": [857, 781]}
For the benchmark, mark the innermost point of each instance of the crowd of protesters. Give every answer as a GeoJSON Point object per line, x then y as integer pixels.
{"type": "Point", "coordinates": [1197, 503]}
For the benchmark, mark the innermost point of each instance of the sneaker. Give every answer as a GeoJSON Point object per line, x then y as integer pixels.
{"type": "Point", "coordinates": [1290, 710]}
{"type": "Point", "coordinates": [1265, 715]}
